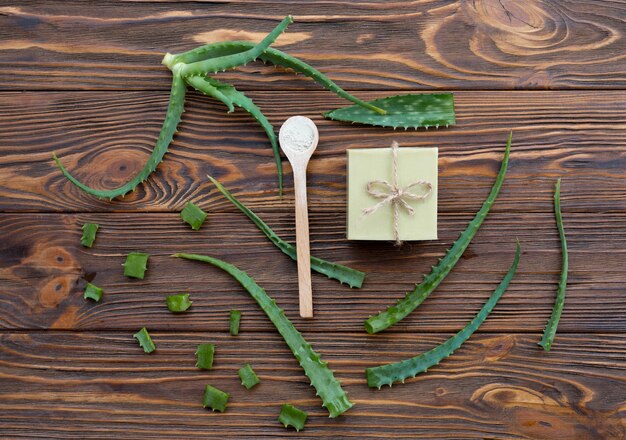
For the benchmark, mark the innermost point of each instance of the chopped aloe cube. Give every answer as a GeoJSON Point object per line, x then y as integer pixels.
{"type": "Point", "coordinates": [235, 317]}
{"type": "Point", "coordinates": [89, 234]}
{"type": "Point", "coordinates": [193, 215]}
{"type": "Point", "coordinates": [178, 303]}
{"type": "Point", "coordinates": [292, 416]}
{"type": "Point", "coordinates": [136, 265]}
{"type": "Point", "coordinates": [204, 356]}
{"type": "Point", "coordinates": [248, 377]}
{"type": "Point", "coordinates": [215, 399]}
{"type": "Point", "coordinates": [93, 292]}
{"type": "Point", "coordinates": [145, 341]}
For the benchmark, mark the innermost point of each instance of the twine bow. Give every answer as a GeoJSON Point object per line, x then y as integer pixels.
{"type": "Point", "coordinates": [395, 195]}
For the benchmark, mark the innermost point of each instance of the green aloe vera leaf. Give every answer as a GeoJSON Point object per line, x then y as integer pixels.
{"type": "Point", "coordinates": [272, 56]}
{"type": "Point", "coordinates": [399, 371]}
{"type": "Point", "coordinates": [234, 96]}
{"type": "Point", "coordinates": [292, 416]}
{"type": "Point", "coordinates": [235, 318]}
{"type": "Point", "coordinates": [414, 298]}
{"type": "Point", "coordinates": [343, 274]}
{"type": "Point", "coordinates": [93, 292]}
{"type": "Point", "coordinates": [321, 377]}
{"type": "Point", "coordinates": [193, 215]}
{"type": "Point", "coordinates": [178, 303]}
{"type": "Point", "coordinates": [222, 63]}
{"type": "Point", "coordinates": [215, 399]}
{"type": "Point", "coordinates": [136, 265]}
{"type": "Point", "coordinates": [248, 377]}
{"type": "Point", "coordinates": [404, 111]}
{"type": "Point", "coordinates": [204, 356]}
{"type": "Point", "coordinates": [174, 111]}
{"type": "Point", "coordinates": [89, 234]}
{"type": "Point", "coordinates": [145, 341]}
{"type": "Point", "coordinates": [201, 85]}
{"type": "Point", "coordinates": [550, 330]}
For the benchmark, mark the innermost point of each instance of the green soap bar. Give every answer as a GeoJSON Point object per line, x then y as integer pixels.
{"type": "Point", "coordinates": [89, 234]}
{"type": "Point", "coordinates": [204, 356]}
{"type": "Point", "coordinates": [178, 303]}
{"type": "Point", "coordinates": [145, 341]}
{"type": "Point", "coordinates": [215, 399]}
{"type": "Point", "coordinates": [93, 292]}
{"type": "Point", "coordinates": [193, 215]}
{"type": "Point", "coordinates": [235, 318]}
{"type": "Point", "coordinates": [369, 164]}
{"type": "Point", "coordinates": [136, 265]}
{"type": "Point", "coordinates": [248, 377]}
{"type": "Point", "coordinates": [292, 416]}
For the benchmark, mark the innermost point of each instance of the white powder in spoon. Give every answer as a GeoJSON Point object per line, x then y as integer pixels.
{"type": "Point", "coordinates": [298, 135]}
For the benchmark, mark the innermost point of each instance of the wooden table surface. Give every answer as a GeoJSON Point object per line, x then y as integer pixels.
{"type": "Point", "coordinates": [84, 79]}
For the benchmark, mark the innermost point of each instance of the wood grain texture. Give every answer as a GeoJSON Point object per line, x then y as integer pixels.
{"type": "Point", "coordinates": [106, 138]}
{"type": "Point", "coordinates": [45, 270]}
{"type": "Point", "coordinates": [486, 44]}
{"type": "Point", "coordinates": [499, 386]}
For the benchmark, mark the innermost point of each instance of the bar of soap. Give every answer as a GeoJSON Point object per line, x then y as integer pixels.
{"type": "Point", "coordinates": [368, 164]}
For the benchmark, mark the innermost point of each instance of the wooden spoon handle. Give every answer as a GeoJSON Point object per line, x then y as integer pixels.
{"type": "Point", "coordinates": [302, 245]}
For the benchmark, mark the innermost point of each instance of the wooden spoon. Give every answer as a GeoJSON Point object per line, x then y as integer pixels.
{"type": "Point", "coordinates": [298, 138]}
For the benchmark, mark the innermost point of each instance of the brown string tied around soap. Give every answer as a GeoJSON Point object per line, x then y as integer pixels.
{"type": "Point", "coordinates": [396, 195]}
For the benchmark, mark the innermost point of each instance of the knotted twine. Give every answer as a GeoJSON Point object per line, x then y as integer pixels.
{"type": "Point", "coordinates": [395, 195]}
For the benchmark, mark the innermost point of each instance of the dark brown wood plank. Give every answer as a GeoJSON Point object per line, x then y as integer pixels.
{"type": "Point", "coordinates": [483, 44]}
{"type": "Point", "coordinates": [106, 138]}
{"type": "Point", "coordinates": [499, 386]}
{"type": "Point", "coordinates": [44, 269]}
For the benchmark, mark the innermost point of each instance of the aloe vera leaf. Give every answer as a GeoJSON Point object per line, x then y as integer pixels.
{"type": "Point", "coordinates": [89, 234]}
{"type": "Point", "coordinates": [215, 399]}
{"type": "Point", "coordinates": [193, 216]}
{"type": "Point", "coordinates": [174, 111]}
{"type": "Point", "coordinates": [145, 341]}
{"type": "Point", "coordinates": [234, 96]}
{"type": "Point", "coordinates": [178, 303]}
{"type": "Point", "coordinates": [292, 416]}
{"type": "Point", "coordinates": [248, 377]}
{"type": "Point", "coordinates": [343, 274]}
{"type": "Point", "coordinates": [550, 331]}
{"type": "Point", "coordinates": [399, 371]}
{"type": "Point", "coordinates": [233, 325]}
{"type": "Point", "coordinates": [270, 55]}
{"type": "Point", "coordinates": [204, 356]}
{"type": "Point", "coordinates": [93, 292]}
{"type": "Point", "coordinates": [136, 265]}
{"type": "Point", "coordinates": [414, 298]}
{"type": "Point", "coordinates": [200, 84]}
{"type": "Point", "coordinates": [405, 111]}
{"type": "Point", "coordinates": [322, 379]}
{"type": "Point", "coordinates": [222, 63]}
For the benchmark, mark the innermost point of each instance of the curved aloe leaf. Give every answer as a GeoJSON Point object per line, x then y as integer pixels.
{"type": "Point", "coordinates": [414, 298]}
{"type": "Point", "coordinates": [217, 64]}
{"type": "Point", "coordinates": [322, 379]}
{"type": "Point", "coordinates": [271, 55]}
{"type": "Point", "coordinates": [550, 331]}
{"type": "Point", "coordinates": [405, 111]}
{"type": "Point", "coordinates": [233, 96]}
{"type": "Point", "coordinates": [172, 118]}
{"type": "Point", "coordinates": [399, 371]}
{"type": "Point", "coordinates": [343, 274]}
